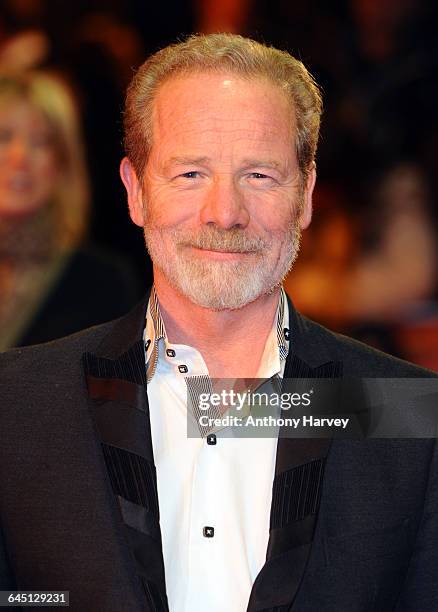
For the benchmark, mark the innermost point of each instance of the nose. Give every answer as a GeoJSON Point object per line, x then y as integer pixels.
{"type": "Point", "coordinates": [18, 152]}
{"type": "Point", "coordinates": [224, 204]}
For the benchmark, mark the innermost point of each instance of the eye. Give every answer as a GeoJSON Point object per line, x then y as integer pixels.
{"type": "Point", "coordinates": [191, 175]}
{"type": "Point", "coordinates": [260, 180]}
{"type": "Point", "coordinates": [259, 175]}
{"type": "Point", "coordinates": [41, 140]}
{"type": "Point", "coordinates": [5, 135]}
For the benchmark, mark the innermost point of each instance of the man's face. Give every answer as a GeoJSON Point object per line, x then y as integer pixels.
{"type": "Point", "coordinates": [221, 201]}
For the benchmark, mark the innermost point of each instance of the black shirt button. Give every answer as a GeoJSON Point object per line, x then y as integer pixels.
{"type": "Point", "coordinates": [286, 333]}
{"type": "Point", "coordinates": [208, 532]}
{"type": "Point", "coordinates": [148, 342]}
{"type": "Point", "coordinates": [170, 352]}
{"type": "Point", "coordinates": [183, 369]}
{"type": "Point", "coordinates": [211, 439]}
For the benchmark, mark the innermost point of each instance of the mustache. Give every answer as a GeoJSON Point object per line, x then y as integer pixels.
{"type": "Point", "coordinates": [215, 239]}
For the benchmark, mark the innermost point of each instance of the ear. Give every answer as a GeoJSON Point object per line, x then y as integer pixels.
{"type": "Point", "coordinates": [134, 191]}
{"type": "Point", "coordinates": [306, 213]}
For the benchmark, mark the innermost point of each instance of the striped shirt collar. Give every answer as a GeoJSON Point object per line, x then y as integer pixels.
{"type": "Point", "coordinates": [155, 330]}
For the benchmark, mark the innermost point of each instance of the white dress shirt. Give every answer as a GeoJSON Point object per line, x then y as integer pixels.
{"type": "Point", "coordinates": [226, 486]}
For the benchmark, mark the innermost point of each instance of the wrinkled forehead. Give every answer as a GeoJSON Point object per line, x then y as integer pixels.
{"type": "Point", "coordinates": [215, 86]}
{"type": "Point", "coordinates": [221, 102]}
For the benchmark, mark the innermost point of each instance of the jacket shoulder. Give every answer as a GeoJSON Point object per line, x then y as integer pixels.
{"type": "Point", "coordinates": [358, 358]}
{"type": "Point", "coordinates": [34, 363]}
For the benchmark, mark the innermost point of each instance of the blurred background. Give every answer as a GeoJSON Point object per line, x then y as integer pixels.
{"type": "Point", "coordinates": [368, 265]}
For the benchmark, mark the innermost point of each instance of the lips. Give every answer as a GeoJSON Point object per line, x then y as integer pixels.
{"type": "Point", "coordinates": [230, 251]}
{"type": "Point", "coordinates": [212, 241]}
{"type": "Point", "coordinates": [19, 182]}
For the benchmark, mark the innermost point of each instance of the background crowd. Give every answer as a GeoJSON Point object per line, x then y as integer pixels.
{"type": "Point", "coordinates": [70, 257]}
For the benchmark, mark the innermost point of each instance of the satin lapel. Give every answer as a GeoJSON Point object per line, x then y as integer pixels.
{"type": "Point", "coordinates": [296, 493]}
{"type": "Point", "coordinates": [116, 382]}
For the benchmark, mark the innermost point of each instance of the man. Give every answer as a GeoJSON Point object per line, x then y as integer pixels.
{"type": "Point", "coordinates": [102, 492]}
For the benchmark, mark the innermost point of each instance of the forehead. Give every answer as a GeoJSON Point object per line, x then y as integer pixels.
{"type": "Point", "coordinates": [221, 107]}
{"type": "Point", "coordinates": [21, 113]}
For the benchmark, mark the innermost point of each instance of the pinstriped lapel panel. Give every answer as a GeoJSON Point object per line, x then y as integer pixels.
{"type": "Point", "coordinates": [296, 494]}
{"type": "Point", "coordinates": [118, 403]}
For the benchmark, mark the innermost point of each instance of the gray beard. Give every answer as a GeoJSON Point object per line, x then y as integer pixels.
{"type": "Point", "coordinates": [222, 285]}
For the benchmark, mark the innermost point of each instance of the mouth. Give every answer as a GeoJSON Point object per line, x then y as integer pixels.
{"type": "Point", "coordinates": [19, 182]}
{"type": "Point", "coordinates": [221, 254]}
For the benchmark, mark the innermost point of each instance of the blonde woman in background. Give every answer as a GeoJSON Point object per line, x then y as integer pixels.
{"type": "Point", "coordinates": [50, 284]}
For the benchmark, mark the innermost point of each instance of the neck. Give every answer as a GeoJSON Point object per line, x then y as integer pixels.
{"type": "Point", "coordinates": [230, 341]}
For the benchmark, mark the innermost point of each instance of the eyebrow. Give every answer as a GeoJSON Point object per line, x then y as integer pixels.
{"type": "Point", "coordinates": [247, 162]}
{"type": "Point", "coordinates": [187, 161]}
{"type": "Point", "coordinates": [264, 163]}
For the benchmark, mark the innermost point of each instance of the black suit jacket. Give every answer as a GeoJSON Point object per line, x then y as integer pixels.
{"type": "Point", "coordinates": [354, 524]}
